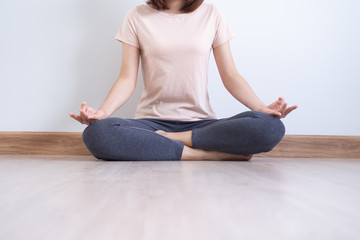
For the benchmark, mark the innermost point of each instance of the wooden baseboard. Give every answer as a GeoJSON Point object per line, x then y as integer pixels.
{"type": "Point", "coordinates": [65, 143]}
{"type": "Point", "coordinates": [42, 143]}
{"type": "Point", "coordinates": [316, 146]}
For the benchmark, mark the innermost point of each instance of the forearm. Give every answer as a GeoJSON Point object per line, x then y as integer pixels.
{"type": "Point", "coordinates": [241, 90]}
{"type": "Point", "coordinates": [120, 92]}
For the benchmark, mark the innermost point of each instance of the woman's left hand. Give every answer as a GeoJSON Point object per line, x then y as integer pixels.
{"type": "Point", "coordinates": [278, 108]}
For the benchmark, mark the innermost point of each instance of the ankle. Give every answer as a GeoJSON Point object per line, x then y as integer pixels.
{"type": "Point", "coordinates": [194, 154]}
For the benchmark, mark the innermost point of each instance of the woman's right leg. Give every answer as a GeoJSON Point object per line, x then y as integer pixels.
{"type": "Point", "coordinates": [129, 139]}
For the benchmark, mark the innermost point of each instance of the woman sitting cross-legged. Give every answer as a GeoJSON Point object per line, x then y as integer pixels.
{"type": "Point", "coordinates": [174, 120]}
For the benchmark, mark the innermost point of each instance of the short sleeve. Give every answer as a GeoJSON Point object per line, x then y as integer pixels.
{"type": "Point", "coordinates": [127, 32]}
{"type": "Point", "coordinates": [223, 32]}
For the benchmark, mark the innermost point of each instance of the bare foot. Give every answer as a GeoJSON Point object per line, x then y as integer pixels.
{"type": "Point", "coordinates": [184, 137]}
{"type": "Point", "coordinates": [161, 132]}
{"type": "Point", "coordinates": [199, 154]}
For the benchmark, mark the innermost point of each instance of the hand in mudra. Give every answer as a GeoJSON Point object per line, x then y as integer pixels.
{"type": "Point", "coordinates": [278, 108]}
{"type": "Point", "coordinates": [88, 115]}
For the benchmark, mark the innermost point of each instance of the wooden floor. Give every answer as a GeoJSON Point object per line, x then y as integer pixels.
{"type": "Point", "coordinates": [78, 197]}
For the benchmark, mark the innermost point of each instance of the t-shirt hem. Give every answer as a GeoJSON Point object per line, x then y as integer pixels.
{"type": "Point", "coordinates": [175, 118]}
{"type": "Point", "coordinates": [127, 42]}
{"type": "Point", "coordinates": [224, 41]}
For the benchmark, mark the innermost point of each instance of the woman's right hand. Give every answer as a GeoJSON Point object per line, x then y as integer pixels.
{"type": "Point", "coordinates": [88, 115]}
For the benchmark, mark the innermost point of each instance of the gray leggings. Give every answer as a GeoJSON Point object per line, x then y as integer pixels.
{"type": "Point", "coordinates": [135, 139]}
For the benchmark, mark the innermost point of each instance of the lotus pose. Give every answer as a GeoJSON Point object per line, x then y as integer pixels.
{"type": "Point", "coordinates": [174, 120]}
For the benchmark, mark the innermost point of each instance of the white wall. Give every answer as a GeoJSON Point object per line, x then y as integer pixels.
{"type": "Point", "coordinates": [54, 54]}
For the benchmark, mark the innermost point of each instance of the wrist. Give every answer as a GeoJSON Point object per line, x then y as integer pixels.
{"type": "Point", "coordinates": [259, 108]}
{"type": "Point", "coordinates": [105, 113]}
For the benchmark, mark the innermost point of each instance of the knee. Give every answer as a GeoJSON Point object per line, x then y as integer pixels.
{"type": "Point", "coordinates": [273, 131]}
{"type": "Point", "coordinates": [96, 138]}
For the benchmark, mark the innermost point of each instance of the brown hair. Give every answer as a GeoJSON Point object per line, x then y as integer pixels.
{"type": "Point", "coordinates": [189, 6]}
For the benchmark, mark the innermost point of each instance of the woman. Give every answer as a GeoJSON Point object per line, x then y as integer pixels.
{"type": "Point", "coordinates": [174, 120]}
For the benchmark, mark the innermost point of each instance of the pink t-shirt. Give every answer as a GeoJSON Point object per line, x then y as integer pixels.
{"type": "Point", "coordinates": [175, 51]}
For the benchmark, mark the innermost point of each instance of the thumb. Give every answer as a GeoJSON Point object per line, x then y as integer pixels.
{"type": "Point", "coordinates": [96, 116]}
{"type": "Point", "coordinates": [273, 112]}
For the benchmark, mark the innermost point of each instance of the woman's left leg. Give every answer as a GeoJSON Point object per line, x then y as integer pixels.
{"type": "Point", "coordinates": [246, 133]}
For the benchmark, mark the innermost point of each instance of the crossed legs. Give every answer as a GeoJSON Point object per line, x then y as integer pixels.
{"type": "Point", "coordinates": [235, 138]}
{"type": "Point", "coordinates": [190, 153]}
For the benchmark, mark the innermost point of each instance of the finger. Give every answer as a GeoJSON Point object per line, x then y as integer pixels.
{"type": "Point", "coordinates": [76, 117]}
{"type": "Point", "coordinates": [84, 113]}
{"type": "Point", "coordinates": [91, 112]}
{"type": "Point", "coordinates": [283, 108]}
{"type": "Point", "coordinates": [292, 108]}
{"type": "Point", "coordinates": [84, 116]}
{"type": "Point", "coordinates": [73, 115]}
{"type": "Point", "coordinates": [84, 106]}
{"type": "Point", "coordinates": [274, 113]}
{"type": "Point", "coordinates": [289, 110]}
{"type": "Point", "coordinates": [280, 108]}
{"type": "Point", "coordinates": [280, 102]}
